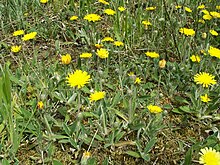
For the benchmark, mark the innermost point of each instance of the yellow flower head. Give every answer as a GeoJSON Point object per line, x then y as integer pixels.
{"type": "Point", "coordinates": [29, 36]}
{"type": "Point", "coordinates": [201, 6]}
{"type": "Point", "coordinates": [109, 11]}
{"type": "Point", "coordinates": [209, 156]}
{"type": "Point", "coordinates": [187, 32]}
{"type": "Point", "coordinates": [86, 155]}
{"type": "Point", "coordinates": [205, 98]}
{"type": "Point", "coordinates": [40, 105]}
{"type": "Point", "coordinates": [85, 55]}
{"type": "Point", "coordinates": [66, 59]}
{"type": "Point", "coordinates": [201, 21]}
{"type": "Point", "coordinates": [73, 18]}
{"type": "Point", "coordinates": [154, 109]}
{"type": "Point", "coordinates": [195, 58]}
{"type": "Point", "coordinates": [215, 52]}
{"type": "Point", "coordinates": [98, 46]}
{"type": "Point", "coordinates": [15, 49]}
{"type": "Point", "coordinates": [121, 8]}
{"type": "Point", "coordinates": [97, 96]}
{"type": "Point", "coordinates": [146, 23]}
{"type": "Point", "coordinates": [104, 2]}
{"type": "Point", "coordinates": [205, 79]}
{"type": "Point", "coordinates": [188, 9]}
{"type": "Point", "coordinates": [178, 7]}
{"type": "Point", "coordinates": [107, 39]}
{"type": "Point", "coordinates": [152, 54]}
{"type": "Point", "coordinates": [215, 14]}
{"type": "Point", "coordinates": [43, 1]}
{"type": "Point", "coordinates": [92, 17]}
{"type": "Point", "coordinates": [118, 43]}
{"type": "Point", "coordinates": [78, 79]}
{"type": "Point", "coordinates": [151, 8]}
{"type": "Point", "coordinates": [162, 63]}
{"type": "Point", "coordinates": [18, 33]}
{"type": "Point", "coordinates": [205, 12]}
{"type": "Point", "coordinates": [217, 7]}
{"type": "Point", "coordinates": [207, 17]}
{"type": "Point", "coordinates": [131, 74]}
{"type": "Point", "coordinates": [102, 53]}
{"type": "Point", "coordinates": [137, 80]}
{"type": "Point", "coordinates": [213, 32]}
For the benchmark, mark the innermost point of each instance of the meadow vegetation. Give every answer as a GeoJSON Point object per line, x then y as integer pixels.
{"type": "Point", "coordinates": [109, 82]}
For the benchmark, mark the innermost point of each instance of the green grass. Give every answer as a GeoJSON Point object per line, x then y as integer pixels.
{"type": "Point", "coordinates": [119, 128]}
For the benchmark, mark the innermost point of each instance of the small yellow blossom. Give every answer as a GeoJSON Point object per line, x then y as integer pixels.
{"type": "Point", "coordinates": [97, 96]}
{"type": "Point", "coordinates": [104, 2]}
{"type": "Point", "coordinates": [146, 23]}
{"type": "Point", "coordinates": [18, 33]}
{"type": "Point", "coordinates": [131, 74]}
{"type": "Point", "coordinates": [109, 11]}
{"type": "Point", "coordinates": [43, 1]}
{"type": "Point", "coordinates": [188, 9]}
{"type": "Point", "coordinates": [195, 58]}
{"type": "Point", "coordinates": [151, 8]}
{"type": "Point", "coordinates": [85, 55]}
{"type": "Point", "coordinates": [205, 98]}
{"type": "Point", "coordinates": [92, 17]}
{"type": "Point", "coordinates": [187, 32]}
{"type": "Point", "coordinates": [102, 53]}
{"type": "Point", "coordinates": [213, 32]}
{"type": "Point", "coordinates": [178, 7]}
{"type": "Point", "coordinates": [137, 80]}
{"type": "Point", "coordinates": [40, 105]}
{"type": "Point", "coordinates": [205, 79]}
{"type": "Point", "coordinates": [201, 21]}
{"type": "Point", "coordinates": [209, 156]}
{"type": "Point", "coordinates": [215, 52]}
{"type": "Point", "coordinates": [201, 6]}
{"type": "Point", "coordinates": [73, 18]}
{"type": "Point", "coordinates": [162, 63]}
{"type": "Point", "coordinates": [121, 8]}
{"type": "Point", "coordinates": [15, 49]}
{"type": "Point", "coordinates": [107, 39]}
{"type": "Point", "coordinates": [204, 35]}
{"type": "Point", "coordinates": [118, 43]}
{"type": "Point", "coordinates": [154, 109]}
{"type": "Point", "coordinates": [66, 59]}
{"type": "Point", "coordinates": [215, 14]}
{"type": "Point", "coordinates": [152, 54]}
{"type": "Point", "coordinates": [217, 7]}
{"type": "Point", "coordinates": [205, 12]}
{"type": "Point", "coordinates": [207, 17]}
{"type": "Point", "coordinates": [29, 36]}
{"type": "Point", "coordinates": [98, 46]}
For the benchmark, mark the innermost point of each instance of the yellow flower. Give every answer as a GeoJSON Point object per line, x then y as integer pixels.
{"type": "Point", "coordinates": [146, 23]}
{"type": "Point", "coordinates": [97, 96]}
{"type": "Point", "coordinates": [131, 74]}
{"type": "Point", "coordinates": [152, 54]}
{"type": "Point", "coordinates": [73, 18]}
{"type": "Point", "coordinates": [98, 46]}
{"type": "Point", "coordinates": [137, 80]}
{"type": "Point", "coordinates": [85, 55]}
{"type": "Point", "coordinates": [151, 8]}
{"type": "Point", "coordinates": [209, 156]}
{"type": "Point", "coordinates": [118, 43]}
{"type": "Point", "coordinates": [86, 155]}
{"type": "Point", "coordinates": [154, 109]}
{"type": "Point", "coordinates": [195, 58]}
{"type": "Point", "coordinates": [205, 12]}
{"type": "Point", "coordinates": [107, 39]}
{"type": "Point", "coordinates": [207, 17]}
{"type": "Point", "coordinates": [178, 7]}
{"type": "Point", "coordinates": [92, 17]}
{"type": "Point", "coordinates": [102, 53]}
{"type": "Point", "coordinates": [18, 33]}
{"type": "Point", "coordinates": [201, 6]}
{"type": "Point", "coordinates": [162, 63]}
{"type": "Point", "coordinates": [109, 11]}
{"type": "Point", "coordinates": [217, 7]}
{"type": "Point", "coordinates": [201, 21]}
{"type": "Point", "coordinates": [188, 9]}
{"type": "Point", "coordinates": [205, 79]}
{"type": "Point", "coordinates": [215, 52]}
{"type": "Point", "coordinates": [29, 36]}
{"type": "Point", "coordinates": [121, 8]}
{"type": "Point", "coordinates": [204, 35]}
{"type": "Point", "coordinates": [40, 105]}
{"type": "Point", "coordinates": [66, 59]}
{"type": "Point", "coordinates": [213, 32]}
{"type": "Point", "coordinates": [215, 14]}
{"type": "Point", "coordinates": [187, 32]}
{"type": "Point", "coordinates": [104, 2]}
{"type": "Point", "coordinates": [43, 1]}
{"type": "Point", "coordinates": [79, 78]}
{"type": "Point", "coordinates": [15, 49]}
{"type": "Point", "coordinates": [205, 98]}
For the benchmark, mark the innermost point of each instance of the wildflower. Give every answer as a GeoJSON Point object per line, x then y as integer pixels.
{"type": "Point", "coordinates": [201, 21]}
{"type": "Point", "coordinates": [43, 1]}
{"type": "Point", "coordinates": [92, 17]}
{"type": "Point", "coordinates": [154, 109]}
{"type": "Point", "coordinates": [209, 156]}
{"type": "Point", "coordinates": [214, 51]}
{"type": "Point", "coordinates": [118, 43]}
{"type": "Point", "coordinates": [102, 53]}
{"type": "Point", "coordinates": [66, 59]}
{"type": "Point", "coordinates": [29, 36]}
{"type": "Point", "coordinates": [109, 11]}
{"type": "Point", "coordinates": [217, 7]}
{"type": "Point", "coordinates": [207, 17]}
{"type": "Point", "coordinates": [131, 74]}
{"type": "Point", "coordinates": [137, 80]}
{"type": "Point", "coordinates": [40, 105]}
{"type": "Point", "coordinates": [107, 39]}
{"type": "Point", "coordinates": [201, 6]}
{"type": "Point", "coordinates": [73, 18]}
{"type": "Point", "coordinates": [97, 96]}
{"type": "Point", "coordinates": [98, 46]}
{"type": "Point", "coordinates": [187, 32]}
{"type": "Point", "coordinates": [215, 14]}
{"type": "Point", "coordinates": [85, 55]}
{"type": "Point", "coordinates": [188, 9]}
{"type": "Point", "coordinates": [204, 35]}
{"type": "Point", "coordinates": [18, 33]}
{"type": "Point", "coordinates": [195, 58]}
{"type": "Point", "coordinates": [151, 8]}
{"type": "Point", "coordinates": [104, 2]}
{"type": "Point", "coordinates": [146, 23]}
{"type": "Point", "coordinates": [121, 8]}
{"type": "Point", "coordinates": [205, 79]}
{"type": "Point", "coordinates": [205, 98]}
{"type": "Point", "coordinates": [152, 54]}
{"type": "Point", "coordinates": [15, 49]}
{"type": "Point", "coordinates": [86, 155]}
{"type": "Point", "coordinates": [79, 78]}
{"type": "Point", "coordinates": [213, 32]}
{"type": "Point", "coordinates": [205, 12]}
{"type": "Point", "coordinates": [178, 7]}
{"type": "Point", "coordinates": [162, 63]}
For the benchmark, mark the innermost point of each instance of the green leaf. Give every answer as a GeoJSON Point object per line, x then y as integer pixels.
{"type": "Point", "coordinates": [5, 162]}
{"type": "Point", "coordinates": [150, 145]}
{"type": "Point", "coordinates": [133, 153]}
{"type": "Point", "coordinates": [188, 157]}
{"type": "Point", "coordinates": [56, 162]}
